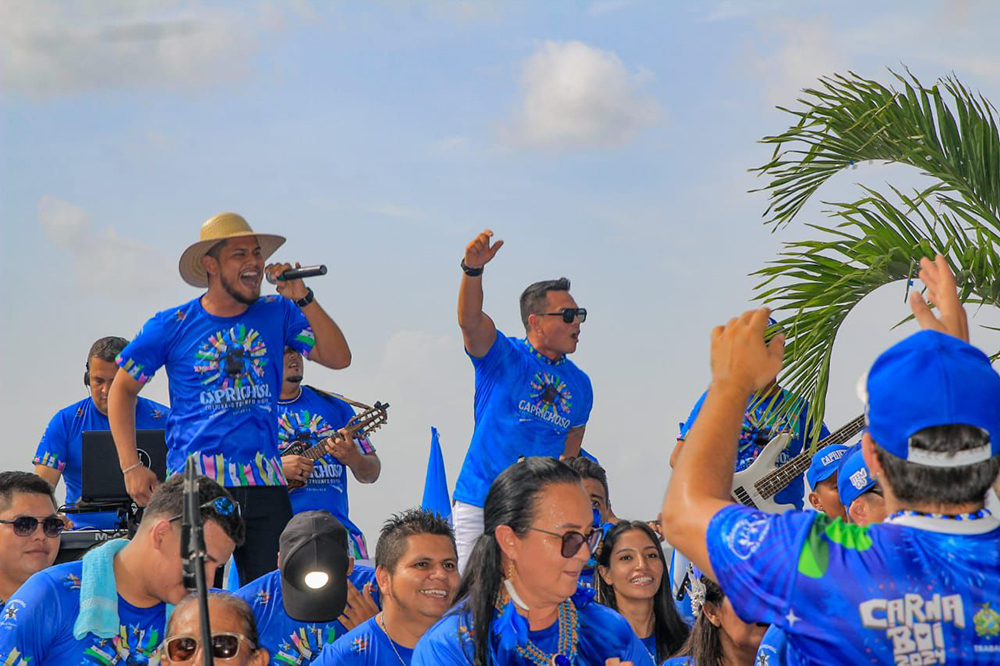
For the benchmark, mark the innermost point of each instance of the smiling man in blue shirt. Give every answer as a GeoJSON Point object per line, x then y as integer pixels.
{"type": "Point", "coordinates": [925, 583]}
{"type": "Point", "coordinates": [223, 355]}
{"type": "Point", "coordinates": [530, 399]}
{"type": "Point", "coordinates": [111, 607]}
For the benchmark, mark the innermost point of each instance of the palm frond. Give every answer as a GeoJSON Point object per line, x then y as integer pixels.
{"type": "Point", "coordinates": [946, 132]}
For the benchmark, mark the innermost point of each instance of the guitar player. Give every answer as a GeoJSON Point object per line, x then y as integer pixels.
{"type": "Point", "coordinates": [308, 416]}
{"type": "Point", "coordinates": [759, 427]}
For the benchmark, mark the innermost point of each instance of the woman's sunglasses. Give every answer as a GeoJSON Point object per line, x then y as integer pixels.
{"type": "Point", "coordinates": [572, 541]}
{"type": "Point", "coordinates": [26, 525]}
{"type": "Point", "coordinates": [568, 315]}
{"type": "Point", "coordinates": [224, 646]}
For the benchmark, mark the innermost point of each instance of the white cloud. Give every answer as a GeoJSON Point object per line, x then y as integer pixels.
{"type": "Point", "coordinates": [575, 95]}
{"type": "Point", "coordinates": [103, 260]}
{"type": "Point", "coordinates": [806, 50]}
{"type": "Point", "coordinates": [50, 48]}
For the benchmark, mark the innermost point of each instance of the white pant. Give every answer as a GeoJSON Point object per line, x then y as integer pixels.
{"type": "Point", "coordinates": [467, 521]}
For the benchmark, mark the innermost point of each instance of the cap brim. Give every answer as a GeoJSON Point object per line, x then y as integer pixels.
{"type": "Point", "coordinates": [194, 273]}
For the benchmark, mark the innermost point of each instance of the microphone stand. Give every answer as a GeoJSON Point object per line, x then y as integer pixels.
{"type": "Point", "coordinates": [193, 555]}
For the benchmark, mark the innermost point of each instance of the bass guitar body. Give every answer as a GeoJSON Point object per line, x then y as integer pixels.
{"type": "Point", "coordinates": [744, 490]}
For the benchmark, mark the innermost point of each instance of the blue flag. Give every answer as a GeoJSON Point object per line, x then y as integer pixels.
{"type": "Point", "coordinates": [436, 496]}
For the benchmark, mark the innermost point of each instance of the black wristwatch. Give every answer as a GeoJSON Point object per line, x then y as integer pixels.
{"type": "Point", "coordinates": [307, 299]}
{"type": "Point", "coordinates": [471, 272]}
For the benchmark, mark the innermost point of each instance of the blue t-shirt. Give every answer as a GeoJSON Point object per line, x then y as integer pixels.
{"type": "Point", "coordinates": [37, 625]}
{"type": "Point", "coordinates": [61, 447]}
{"type": "Point", "coordinates": [602, 634]}
{"type": "Point", "coordinates": [225, 378]}
{"type": "Point", "coordinates": [912, 590]}
{"type": "Point", "coordinates": [311, 418]}
{"type": "Point", "coordinates": [759, 428]}
{"type": "Point", "coordinates": [365, 645]}
{"type": "Point", "coordinates": [289, 641]}
{"type": "Point", "coordinates": [525, 403]}
{"type": "Point", "coordinates": [772, 649]}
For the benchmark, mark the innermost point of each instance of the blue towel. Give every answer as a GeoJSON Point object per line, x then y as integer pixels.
{"type": "Point", "coordinates": [98, 592]}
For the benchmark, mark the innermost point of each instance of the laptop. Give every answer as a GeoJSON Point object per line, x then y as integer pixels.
{"type": "Point", "coordinates": [101, 478]}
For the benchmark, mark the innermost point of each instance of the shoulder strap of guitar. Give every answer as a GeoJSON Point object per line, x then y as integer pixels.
{"type": "Point", "coordinates": [334, 396]}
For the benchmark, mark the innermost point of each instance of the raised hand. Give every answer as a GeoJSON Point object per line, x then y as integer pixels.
{"type": "Point", "coordinates": [739, 355]}
{"type": "Point", "coordinates": [943, 293]}
{"type": "Point", "coordinates": [293, 290]}
{"type": "Point", "coordinates": [479, 252]}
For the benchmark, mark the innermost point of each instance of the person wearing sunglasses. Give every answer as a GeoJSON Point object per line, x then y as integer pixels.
{"type": "Point", "coordinates": [234, 633]}
{"type": "Point", "coordinates": [111, 606]}
{"type": "Point", "coordinates": [530, 399]}
{"type": "Point", "coordinates": [518, 600]}
{"type": "Point", "coordinates": [29, 529]}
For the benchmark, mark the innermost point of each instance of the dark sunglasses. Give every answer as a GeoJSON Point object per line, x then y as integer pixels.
{"type": "Point", "coordinates": [568, 315]}
{"type": "Point", "coordinates": [572, 541]}
{"type": "Point", "coordinates": [26, 525]}
{"type": "Point", "coordinates": [221, 505]}
{"type": "Point", "coordinates": [224, 646]}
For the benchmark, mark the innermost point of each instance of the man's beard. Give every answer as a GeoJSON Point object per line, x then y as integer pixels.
{"type": "Point", "coordinates": [236, 295]}
{"type": "Point", "coordinates": [293, 379]}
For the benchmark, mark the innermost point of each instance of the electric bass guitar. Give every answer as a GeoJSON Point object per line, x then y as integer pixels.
{"type": "Point", "coordinates": [371, 419]}
{"type": "Point", "coordinates": [757, 485]}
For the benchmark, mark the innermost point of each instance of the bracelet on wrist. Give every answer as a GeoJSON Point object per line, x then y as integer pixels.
{"type": "Point", "coordinates": [470, 271]}
{"type": "Point", "coordinates": [307, 299]}
{"type": "Point", "coordinates": [131, 467]}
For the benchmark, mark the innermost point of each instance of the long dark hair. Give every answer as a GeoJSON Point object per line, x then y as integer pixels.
{"type": "Point", "coordinates": [668, 627]}
{"type": "Point", "coordinates": [512, 501]}
{"type": "Point", "coordinates": [704, 644]}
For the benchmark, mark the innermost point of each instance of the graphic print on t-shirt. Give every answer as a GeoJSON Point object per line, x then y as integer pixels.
{"type": "Point", "coordinates": [231, 366]}
{"type": "Point", "coordinates": [310, 428]}
{"type": "Point", "coordinates": [549, 399]}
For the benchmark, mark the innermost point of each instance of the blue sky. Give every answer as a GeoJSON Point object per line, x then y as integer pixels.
{"type": "Point", "coordinates": [606, 141]}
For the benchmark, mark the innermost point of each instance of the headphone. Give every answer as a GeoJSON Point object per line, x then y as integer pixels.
{"type": "Point", "coordinates": [86, 374]}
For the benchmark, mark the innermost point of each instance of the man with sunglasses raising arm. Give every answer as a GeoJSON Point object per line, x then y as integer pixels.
{"type": "Point", "coordinates": [530, 399]}
{"type": "Point", "coordinates": [29, 530]}
{"type": "Point", "coordinates": [111, 606]}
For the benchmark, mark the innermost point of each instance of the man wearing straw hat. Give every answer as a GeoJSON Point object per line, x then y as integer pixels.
{"type": "Point", "coordinates": [223, 355]}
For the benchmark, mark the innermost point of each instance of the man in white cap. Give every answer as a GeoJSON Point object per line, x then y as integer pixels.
{"type": "Point", "coordinates": [223, 354]}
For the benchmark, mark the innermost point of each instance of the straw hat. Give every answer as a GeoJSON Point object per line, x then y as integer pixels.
{"type": "Point", "coordinates": [215, 229]}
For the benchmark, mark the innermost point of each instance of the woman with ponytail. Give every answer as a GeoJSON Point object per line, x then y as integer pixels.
{"type": "Point", "coordinates": [719, 637]}
{"type": "Point", "coordinates": [518, 602]}
{"type": "Point", "coordinates": [632, 580]}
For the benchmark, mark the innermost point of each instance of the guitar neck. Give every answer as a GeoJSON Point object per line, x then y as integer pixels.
{"type": "Point", "coordinates": [318, 451]}
{"type": "Point", "coordinates": [777, 480]}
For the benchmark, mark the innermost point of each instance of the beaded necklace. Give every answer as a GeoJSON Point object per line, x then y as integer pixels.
{"type": "Point", "coordinates": [569, 623]}
{"type": "Point", "coordinates": [909, 513]}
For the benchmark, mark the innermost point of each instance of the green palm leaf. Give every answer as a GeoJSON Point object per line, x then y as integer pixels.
{"type": "Point", "coordinates": [946, 132]}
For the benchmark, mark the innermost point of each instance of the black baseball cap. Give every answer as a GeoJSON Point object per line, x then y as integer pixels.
{"type": "Point", "coordinates": [314, 563]}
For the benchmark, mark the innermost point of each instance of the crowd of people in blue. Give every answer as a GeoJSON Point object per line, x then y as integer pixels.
{"type": "Point", "coordinates": [889, 555]}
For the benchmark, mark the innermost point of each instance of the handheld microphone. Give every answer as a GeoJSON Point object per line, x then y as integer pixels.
{"type": "Point", "coordinates": [298, 273]}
